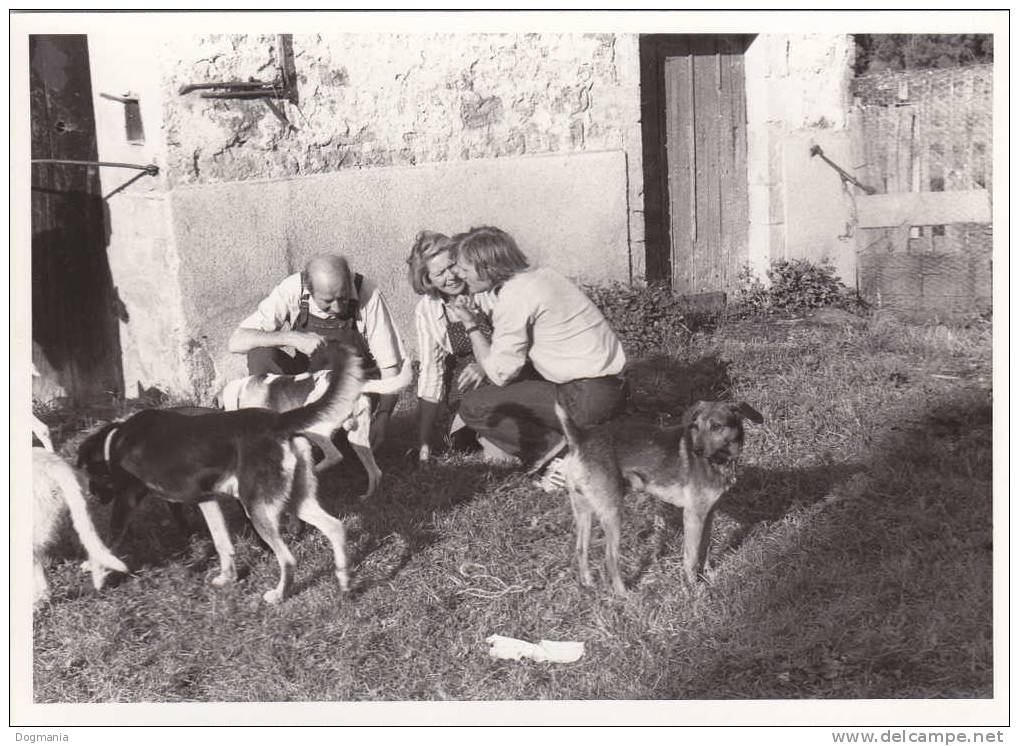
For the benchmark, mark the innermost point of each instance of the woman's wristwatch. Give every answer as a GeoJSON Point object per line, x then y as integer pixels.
{"type": "Point", "coordinates": [471, 329]}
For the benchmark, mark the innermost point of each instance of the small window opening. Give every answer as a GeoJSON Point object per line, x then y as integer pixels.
{"type": "Point", "coordinates": [133, 121]}
{"type": "Point", "coordinates": [133, 129]}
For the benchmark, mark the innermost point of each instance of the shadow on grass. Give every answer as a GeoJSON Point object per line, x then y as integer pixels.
{"type": "Point", "coordinates": [763, 495]}
{"type": "Point", "coordinates": [760, 496]}
{"type": "Point", "coordinates": [661, 387]}
{"type": "Point", "coordinates": [385, 531]}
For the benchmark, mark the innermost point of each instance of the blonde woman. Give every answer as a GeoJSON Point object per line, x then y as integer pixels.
{"type": "Point", "coordinates": [448, 366]}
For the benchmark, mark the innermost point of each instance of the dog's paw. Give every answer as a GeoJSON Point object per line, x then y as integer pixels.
{"type": "Point", "coordinates": [273, 597]}
{"type": "Point", "coordinates": [99, 577]}
{"type": "Point", "coordinates": [224, 578]}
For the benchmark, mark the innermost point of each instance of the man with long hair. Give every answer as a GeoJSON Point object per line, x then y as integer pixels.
{"type": "Point", "coordinates": [548, 339]}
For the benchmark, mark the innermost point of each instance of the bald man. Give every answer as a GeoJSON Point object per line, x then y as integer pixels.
{"type": "Point", "coordinates": [315, 312]}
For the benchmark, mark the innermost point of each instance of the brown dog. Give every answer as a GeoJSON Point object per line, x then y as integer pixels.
{"type": "Point", "coordinates": [689, 466]}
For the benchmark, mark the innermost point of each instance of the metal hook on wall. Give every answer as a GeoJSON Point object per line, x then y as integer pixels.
{"type": "Point", "coordinates": [282, 88]}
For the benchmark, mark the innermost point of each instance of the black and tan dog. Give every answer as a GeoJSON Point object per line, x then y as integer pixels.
{"type": "Point", "coordinates": [255, 455]}
{"type": "Point", "coordinates": [689, 466]}
{"type": "Point", "coordinates": [124, 492]}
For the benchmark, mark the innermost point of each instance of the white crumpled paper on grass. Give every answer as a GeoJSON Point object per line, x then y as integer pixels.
{"type": "Point", "coordinates": [510, 648]}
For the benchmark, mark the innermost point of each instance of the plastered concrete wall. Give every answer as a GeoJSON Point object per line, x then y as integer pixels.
{"type": "Point", "coordinates": [142, 252]}
{"type": "Point", "coordinates": [798, 96]}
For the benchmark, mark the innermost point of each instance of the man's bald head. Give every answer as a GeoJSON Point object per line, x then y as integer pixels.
{"type": "Point", "coordinates": [329, 280]}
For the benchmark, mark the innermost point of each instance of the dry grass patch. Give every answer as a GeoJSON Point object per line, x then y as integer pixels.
{"type": "Point", "coordinates": [852, 560]}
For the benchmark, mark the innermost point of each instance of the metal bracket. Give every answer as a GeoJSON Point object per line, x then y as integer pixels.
{"type": "Point", "coordinates": [846, 176]}
{"type": "Point", "coordinates": [282, 88]}
{"type": "Point", "coordinates": [149, 170]}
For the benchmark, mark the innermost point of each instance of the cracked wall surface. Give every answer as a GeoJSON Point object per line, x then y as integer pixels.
{"type": "Point", "coordinates": [381, 100]}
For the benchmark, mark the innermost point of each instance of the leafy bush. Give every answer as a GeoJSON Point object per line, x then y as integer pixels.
{"type": "Point", "coordinates": [796, 285]}
{"type": "Point", "coordinates": [647, 318]}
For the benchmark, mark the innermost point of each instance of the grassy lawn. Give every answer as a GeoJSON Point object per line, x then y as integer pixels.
{"type": "Point", "coordinates": [852, 560]}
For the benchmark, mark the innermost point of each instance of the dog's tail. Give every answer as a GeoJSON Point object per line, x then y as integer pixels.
{"type": "Point", "coordinates": [391, 385]}
{"type": "Point", "coordinates": [574, 435]}
{"type": "Point", "coordinates": [333, 407]}
{"type": "Point", "coordinates": [99, 555]}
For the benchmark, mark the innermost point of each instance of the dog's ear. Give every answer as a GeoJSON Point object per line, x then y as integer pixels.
{"type": "Point", "coordinates": [695, 410]}
{"type": "Point", "coordinates": [747, 412]}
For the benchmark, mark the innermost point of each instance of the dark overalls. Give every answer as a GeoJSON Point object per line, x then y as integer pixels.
{"type": "Point", "coordinates": [336, 332]}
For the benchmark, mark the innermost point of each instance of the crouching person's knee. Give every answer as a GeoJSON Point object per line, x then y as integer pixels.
{"type": "Point", "coordinates": [262, 360]}
{"type": "Point", "coordinates": [473, 409]}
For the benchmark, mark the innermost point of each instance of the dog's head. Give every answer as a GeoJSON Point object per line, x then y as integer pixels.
{"type": "Point", "coordinates": [105, 480]}
{"type": "Point", "coordinates": [716, 429]}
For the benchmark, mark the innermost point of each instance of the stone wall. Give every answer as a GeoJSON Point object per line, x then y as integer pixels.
{"type": "Point", "coordinates": [798, 96]}
{"type": "Point", "coordinates": [370, 100]}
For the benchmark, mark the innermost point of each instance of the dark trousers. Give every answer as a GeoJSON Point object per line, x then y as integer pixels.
{"type": "Point", "coordinates": [520, 417]}
{"type": "Point", "coordinates": [274, 360]}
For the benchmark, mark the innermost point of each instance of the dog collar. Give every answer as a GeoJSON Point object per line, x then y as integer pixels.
{"type": "Point", "coordinates": [107, 444]}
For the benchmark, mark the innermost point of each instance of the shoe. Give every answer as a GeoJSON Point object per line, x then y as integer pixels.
{"type": "Point", "coordinates": [556, 450]}
{"type": "Point", "coordinates": [553, 479]}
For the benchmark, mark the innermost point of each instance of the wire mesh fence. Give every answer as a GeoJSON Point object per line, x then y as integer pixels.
{"type": "Point", "coordinates": [926, 131]}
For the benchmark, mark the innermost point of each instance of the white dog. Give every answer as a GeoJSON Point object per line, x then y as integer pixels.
{"type": "Point", "coordinates": [282, 393]}
{"type": "Point", "coordinates": [56, 489]}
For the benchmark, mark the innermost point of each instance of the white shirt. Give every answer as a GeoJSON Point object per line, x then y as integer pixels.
{"type": "Point", "coordinates": [542, 316]}
{"type": "Point", "coordinates": [430, 323]}
{"type": "Point", "coordinates": [374, 321]}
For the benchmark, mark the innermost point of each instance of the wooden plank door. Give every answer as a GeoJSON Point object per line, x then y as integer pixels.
{"type": "Point", "coordinates": [74, 319]}
{"type": "Point", "coordinates": [706, 150]}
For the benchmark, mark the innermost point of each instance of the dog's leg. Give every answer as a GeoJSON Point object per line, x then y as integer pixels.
{"type": "Point", "coordinates": [123, 505]}
{"type": "Point", "coordinates": [177, 513]}
{"type": "Point", "coordinates": [310, 510]}
{"type": "Point", "coordinates": [330, 453]}
{"type": "Point", "coordinates": [608, 517]}
{"type": "Point", "coordinates": [213, 514]}
{"type": "Point", "coordinates": [696, 537]}
{"type": "Point", "coordinates": [364, 453]}
{"type": "Point", "coordinates": [40, 586]}
{"type": "Point", "coordinates": [265, 517]}
{"type": "Point", "coordinates": [582, 514]}
{"type": "Point", "coordinates": [265, 495]}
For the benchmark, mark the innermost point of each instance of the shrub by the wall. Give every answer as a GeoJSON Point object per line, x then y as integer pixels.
{"type": "Point", "coordinates": [796, 285]}
{"type": "Point", "coordinates": [648, 318]}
